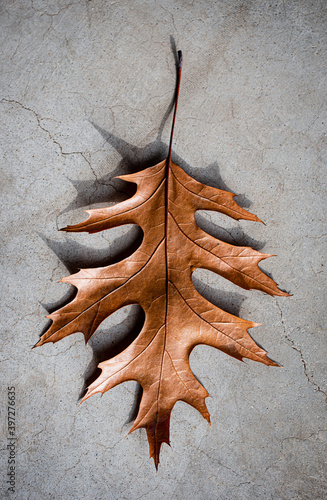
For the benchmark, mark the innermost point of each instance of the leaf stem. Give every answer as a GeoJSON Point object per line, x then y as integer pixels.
{"type": "Point", "coordinates": [179, 73]}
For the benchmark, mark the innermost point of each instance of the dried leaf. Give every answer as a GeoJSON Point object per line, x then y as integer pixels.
{"type": "Point", "coordinates": [158, 277]}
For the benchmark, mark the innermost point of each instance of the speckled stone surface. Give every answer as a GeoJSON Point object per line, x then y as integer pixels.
{"type": "Point", "coordinates": [85, 91]}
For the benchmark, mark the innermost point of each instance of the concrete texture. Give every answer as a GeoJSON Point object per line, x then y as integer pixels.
{"type": "Point", "coordinates": [85, 89]}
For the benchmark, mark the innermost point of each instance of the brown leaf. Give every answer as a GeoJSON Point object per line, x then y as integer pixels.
{"type": "Point", "coordinates": [158, 277]}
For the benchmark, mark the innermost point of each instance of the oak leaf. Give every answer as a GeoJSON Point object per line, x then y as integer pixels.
{"type": "Point", "coordinates": [158, 277]}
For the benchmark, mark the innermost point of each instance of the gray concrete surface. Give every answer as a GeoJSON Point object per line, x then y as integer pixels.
{"type": "Point", "coordinates": [77, 80]}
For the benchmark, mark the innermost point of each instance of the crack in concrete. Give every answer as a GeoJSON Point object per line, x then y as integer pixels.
{"type": "Point", "coordinates": [288, 438]}
{"type": "Point", "coordinates": [219, 463]}
{"type": "Point", "coordinates": [39, 119]}
{"type": "Point", "coordinates": [148, 492]}
{"type": "Point", "coordinates": [291, 342]}
{"type": "Point", "coordinates": [55, 354]}
{"type": "Point", "coordinates": [298, 438]}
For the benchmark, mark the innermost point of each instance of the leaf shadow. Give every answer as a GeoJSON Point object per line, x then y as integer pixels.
{"type": "Point", "coordinates": [234, 236]}
{"type": "Point", "coordinates": [228, 301]}
{"type": "Point", "coordinates": [108, 342]}
{"type": "Point", "coordinates": [75, 256]}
